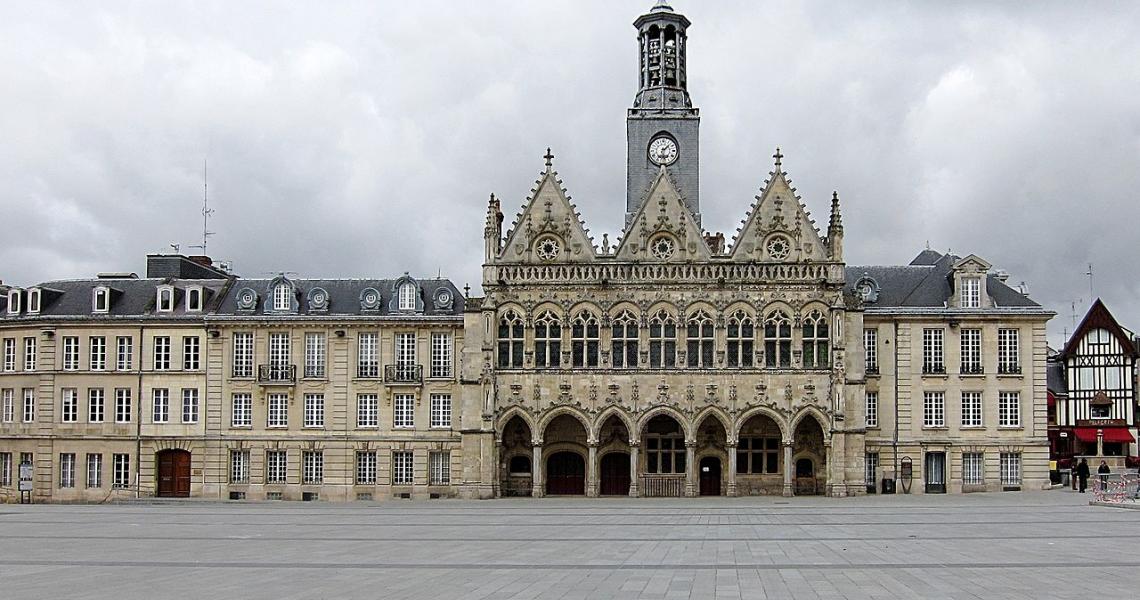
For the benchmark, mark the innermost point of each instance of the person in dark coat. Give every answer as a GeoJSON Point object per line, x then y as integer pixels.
{"type": "Point", "coordinates": [1103, 472]}
{"type": "Point", "coordinates": [1083, 474]}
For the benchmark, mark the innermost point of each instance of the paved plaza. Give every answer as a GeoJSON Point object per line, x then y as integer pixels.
{"type": "Point", "coordinates": [999, 545]}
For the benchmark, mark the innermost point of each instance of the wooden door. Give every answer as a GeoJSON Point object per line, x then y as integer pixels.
{"type": "Point", "coordinates": [565, 474]}
{"type": "Point", "coordinates": [935, 474]}
{"type": "Point", "coordinates": [615, 474]}
{"type": "Point", "coordinates": [173, 474]}
{"type": "Point", "coordinates": [710, 476]}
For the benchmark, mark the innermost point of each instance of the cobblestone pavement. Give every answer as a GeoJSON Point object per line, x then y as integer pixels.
{"type": "Point", "coordinates": [999, 545]}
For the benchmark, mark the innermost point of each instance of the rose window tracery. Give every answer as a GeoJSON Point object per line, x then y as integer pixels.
{"type": "Point", "coordinates": [547, 249]}
{"type": "Point", "coordinates": [779, 247]}
{"type": "Point", "coordinates": [662, 247]}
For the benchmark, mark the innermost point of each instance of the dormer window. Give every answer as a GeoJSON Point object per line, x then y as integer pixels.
{"type": "Point", "coordinates": [101, 300]}
{"type": "Point", "coordinates": [13, 302]}
{"type": "Point", "coordinates": [971, 292]}
{"type": "Point", "coordinates": [165, 298]}
{"type": "Point", "coordinates": [194, 299]}
{"type": "Point", "coordinates": [34, 301]}
{"type": "Point", "coordinates": [281, 294]}
{"type": "Point", "coordinates": [408, 296]}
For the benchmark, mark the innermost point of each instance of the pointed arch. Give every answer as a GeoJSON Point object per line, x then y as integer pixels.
{"type": "Point", "coordinates": [781, 424]}
{"type": "Point", "coordinates": [824, 422]}
{"type": "Point", "coordinates": [676, 415]}
{"type": "Point", "coordinates": [558, 411]}
{"type": "Point", "coordinates": [604, 416]}
{"type": "Point", "coordinates": [714, 412]}
{"type": "Point", "coordinates": [693, 309]}
{"type": "Point", "coordinates": [510, 413]}
{"type": "Point", "coordinates": [585, 306]}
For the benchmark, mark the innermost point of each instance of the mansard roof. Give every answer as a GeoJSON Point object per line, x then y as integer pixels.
{"type": "Point", "coordinates": [130, 298]}
{"type": "Point", "coordinates": [1099, 317]}
{"type": "Point", "coordinates": [344, 297]}
{"type": "Point", "coordinates": [925, 283]}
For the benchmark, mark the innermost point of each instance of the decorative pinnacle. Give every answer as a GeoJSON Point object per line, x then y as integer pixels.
{"type": "Point", "coordinates": [779, 157]}
{"type": "Point", "coordinates": [836, 218]}
{"type": "Point", "coordinates": [549, 156]}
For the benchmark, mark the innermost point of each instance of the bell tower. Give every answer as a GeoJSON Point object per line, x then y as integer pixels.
{"type": "Point", "coordinates": [662, 126]}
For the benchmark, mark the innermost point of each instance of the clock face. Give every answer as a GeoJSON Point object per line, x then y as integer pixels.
{"type": "Point", "coordinates": [663, 151]}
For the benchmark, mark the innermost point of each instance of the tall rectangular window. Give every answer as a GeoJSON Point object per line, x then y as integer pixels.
{"type": "Point", "coordinates": [191, 351]}
{"type": "Point", "coordinates": [971, 292]}
{"type": "Point", "coordinates": [405, 356]}
{"type": "Point", "coordinates": [314, 410]}
{"type": "Point", "coordinates": [8, 405]}
{"type": "Point", "coordinates": [441, 410]}
{"type": "Point", "coordinates": [162, 353]}
{"type": "Point", "coordinates": [973, 468]}
{"type": "Point", "coordinates": [29, 354]}
{"type": "Point", "coordinates": [1009, 409]}
{"type": "Point", "coordinates": [367, 410]}
{"type": "Point", "coordinates": [124, 353]}
{"type": "Point", "coordinates": [1009, 351]}
{"type": "Point", "coordinates": [94, 470]}
{"type": "Point", "coordinates": [315, 355]}
{"type": "Point", "coordinates": [402, 468]}
{"type": "Point", "coordinates": [29, 405]}
{"type": "Point", "coordinates": [932, 351]}
{"type": "Point", "coordinates": [1010, 469]}
{"type": "Point", "coordinates": [96, 401]}
{"type": "Point", "coordinates": [242, 410]}
{"type": "Point", "coordinates": [97, 353]}
{"type": "Point", "coordinates": [699, 339]}
{"type": "Point", "coordinates": [441, 353]}
{"type": "Point", "coordinates": [279, 360]}
{"type": "Point", "coordinates": [871, 465]}
{"type": "Point", "coordinates": [871, 351]}
{"type": "Point", "coordinates": [123, 405]}
{"type": "Point", "coordinates": [67, 470]}
{"type": "Point", "coordinates": [239, 466]}
{"type": "Point", "coordinates": [9, 354]}
{"type": "Point", "coordinates": [368, 354]}
{"type": "Point", "coordinates": [121, 470]}
{"type": "Point", "coordinates": [971, 351]}
{"type": "Point", "coordinates": [872, 409]}
{"type": "Point", "coordinates": [189, 405]}
{"type": "Point", "coordinates": [662, 341]}
{"type": "Point", "coordinates": [624, 336]}
{"type": "Point", "coordinates": [366, 468]}
{"type": "Point", "coordinates": [70, 407]}
{"type": "Point", "coordinates": [439, 470]}
{"type": "Point", "coordinates": [243, 354]}
{"type": "Point", "coordinates": [404, 411]}
{"type": "Point", "coordinates": [934, 409]}
{"type": "Point", "coordinates": [5, 469]}
{"type": "Point", "coordinates": [161, 402]}
{"type": "Point", "coordinates": [312, 467]}
{"type": "Point", "coordinates": [585, 340]}
{"type": "Point", "coordinates": [971, 409]}
{"type": "Point", "coordinates": [70, 353]}
{"type": "Point", "coordinates": [276, 466]}
{"type": "Point", "coordinates": [278, 410]}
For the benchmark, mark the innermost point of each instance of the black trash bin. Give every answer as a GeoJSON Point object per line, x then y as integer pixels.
{"type": "Point", "coordinates": [888, 486]}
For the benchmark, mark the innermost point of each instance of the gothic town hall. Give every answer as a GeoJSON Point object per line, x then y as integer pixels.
{"type": "Point", "coordinates": [666, 362]}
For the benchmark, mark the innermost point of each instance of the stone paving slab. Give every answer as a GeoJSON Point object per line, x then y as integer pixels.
{"type": "Point", "coordinates": [1014, 545]}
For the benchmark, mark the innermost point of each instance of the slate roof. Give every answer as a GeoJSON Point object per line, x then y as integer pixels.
{"type": "Point", "coordinates": [925, 283]}
{"type": "Point", "coordinates": [130, 298]}
{"type": "Point", "coordinates": [1055, 376]}
{"type": "Point", "coordinates": [344, 297]}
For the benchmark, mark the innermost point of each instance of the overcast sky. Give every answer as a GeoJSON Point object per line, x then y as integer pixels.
{"type": "Point", "coordinates": [363, 138]}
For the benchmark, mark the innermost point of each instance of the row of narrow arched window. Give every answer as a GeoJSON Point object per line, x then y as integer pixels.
{"type": "Point", "coordinates": [663, 339]}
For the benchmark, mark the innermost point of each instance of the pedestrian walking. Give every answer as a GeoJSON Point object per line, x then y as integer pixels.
{"type": "Point", "coordinates": [1083, 474]}
{"type": "Point", "coordinates": [1102, 471]}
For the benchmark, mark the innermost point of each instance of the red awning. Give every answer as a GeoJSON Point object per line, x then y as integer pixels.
{"type": "Point", "coordinates": [1111, 434]}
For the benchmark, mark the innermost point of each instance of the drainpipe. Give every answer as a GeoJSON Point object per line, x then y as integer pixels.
{"type": "Point", "coordinates": [895, 442]}
{"type": "Point", "coordinates": [138, 420]}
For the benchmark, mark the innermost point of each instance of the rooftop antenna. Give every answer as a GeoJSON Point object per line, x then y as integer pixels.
{"type": "Point", "coordinates": [206, 210]}
{"type": "Point", "coordinates": [1090, 274]}
{"type": "Point", "coordinates": [175, 248]}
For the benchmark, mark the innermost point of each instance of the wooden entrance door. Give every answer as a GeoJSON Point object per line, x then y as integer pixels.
{"type": "Point", "coordinates": [565, 474]}
{"type": "Point", "coordinates": [805, 477]}
{"type": "Point", "coordinates": [710, 476]}
{"type": "Point", "coordinates": [173, 474]}
{"type": "Point", "coordinates": [615, 474]}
